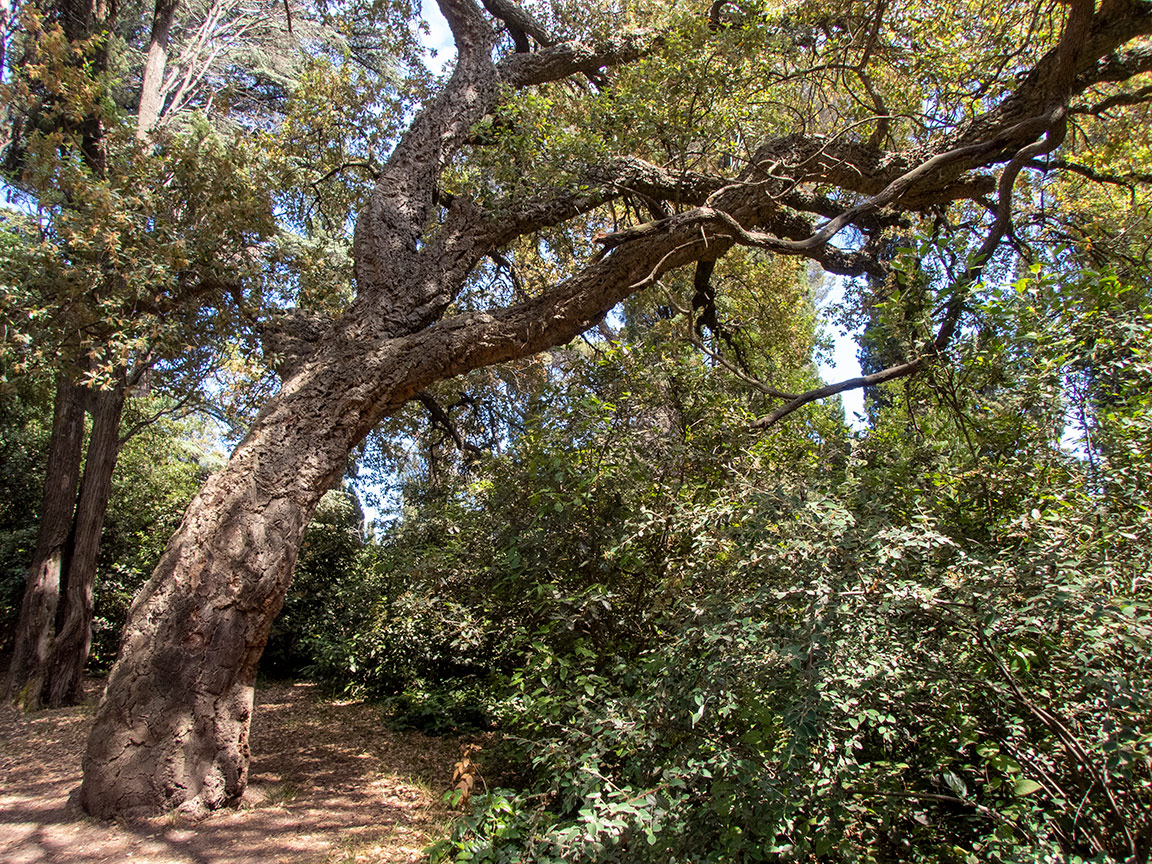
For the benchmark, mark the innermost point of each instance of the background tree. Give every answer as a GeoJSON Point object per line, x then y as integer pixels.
{"type": "Point", "coordinates": [158, 470]}
{"type": "Point", "coordinates": [105, 291]}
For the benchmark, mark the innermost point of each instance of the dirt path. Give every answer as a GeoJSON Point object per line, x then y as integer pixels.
{"type": "Point", "coordinates": [329, 784]}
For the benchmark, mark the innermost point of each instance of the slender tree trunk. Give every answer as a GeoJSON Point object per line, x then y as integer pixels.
{"type": "Point", "coordinates": [69, 651]}
{"type": "Point", "coordinates": [151, 93]}
{"type": "Point", "coordinates": [42, 591]}
{"type": "Point", "coordinates": [38, 614]}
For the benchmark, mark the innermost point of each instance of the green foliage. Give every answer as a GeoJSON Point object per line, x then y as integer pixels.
{"type": "Point", "coordinates": [860, 715]}
{"type": "Point", "coordinates": [929, 642]}
{"type": "Point", "coordinates": [333, 590]}
{"type": "Point", "coordinates": [25, 418]}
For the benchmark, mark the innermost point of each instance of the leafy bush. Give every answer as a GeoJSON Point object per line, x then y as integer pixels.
{"type": "Point", "coordinates": [929, 642]}
{"type": "Point", "coordinates": [25, 414]}
{"type": "Point", "coordinates": [927, 703]}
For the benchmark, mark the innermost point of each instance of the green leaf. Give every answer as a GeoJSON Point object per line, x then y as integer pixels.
{"type": "Point", "coordinates": [1026, 787]}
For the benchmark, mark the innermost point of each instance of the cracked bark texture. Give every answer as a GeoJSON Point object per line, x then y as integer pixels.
{"type": "Point", "coordinates": [172, 730]}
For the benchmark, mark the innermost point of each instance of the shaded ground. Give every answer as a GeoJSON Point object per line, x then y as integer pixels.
{"type": "Point", "coordinates": [328, 784]}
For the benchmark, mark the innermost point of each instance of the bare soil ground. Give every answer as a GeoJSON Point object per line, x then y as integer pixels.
{"type": "Point", "coordinates": [329, 784]}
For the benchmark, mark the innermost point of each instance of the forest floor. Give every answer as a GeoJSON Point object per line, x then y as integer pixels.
{"type": "Point", "coordinates": [328, 784]}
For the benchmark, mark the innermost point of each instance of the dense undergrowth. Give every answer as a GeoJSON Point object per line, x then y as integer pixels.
{"type": "Point", "coordinates": [927, 641]}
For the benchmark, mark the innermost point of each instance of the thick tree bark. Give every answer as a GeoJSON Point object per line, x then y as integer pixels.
{"type": "Point", "coordinates": [69, 651]}
{"type": "Point", "coordinates": [41, 594]}
{"type": "Point", "coordinates": [172, 731]}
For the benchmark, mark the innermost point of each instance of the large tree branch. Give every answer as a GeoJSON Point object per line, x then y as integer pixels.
{"type": "Point", "coordinates": [1083, 56]}
{"type": "Point", "coordinates": [471, 233]}
{"type": "Point", "coordinates": [469, 29]}
{"type": "Point", "coordinates": [752, 213]}
{"type": "Point", "coordinates": [1117, 67]}
{"type": "Point", "coordinates": [1001, 225]}
{"type": "Point", "coordinates": [391, 279]}
{"type": "Point", "coordinates": [386, 243]}
{"type": "Point", "coordinates": [739, 210]}
{"type": "Point", "coordinates": [472, 340]}
{"type": "Point", "coordinates": [520, 24]}
{"type": "Point", "coordinates": [571, 58]}
{"type": "Point", "coordinates": [598, 185]}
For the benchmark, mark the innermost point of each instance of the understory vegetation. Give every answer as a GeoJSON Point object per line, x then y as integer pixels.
{"type": "Point", "coordinates": [924, 640]}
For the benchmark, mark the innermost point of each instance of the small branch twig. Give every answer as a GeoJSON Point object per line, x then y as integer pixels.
{"type": "Point", "coordinates": [441, 418]}
{"type": "Point", "coordinates": [901, 371]}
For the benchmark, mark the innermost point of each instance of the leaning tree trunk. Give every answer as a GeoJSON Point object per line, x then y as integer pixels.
{"type": "Point", "coordinates": [173, 728]}
{"type": "Point", "coordinates": [42, 590]}
{"type": "Point", "coordinates": [70, 647]}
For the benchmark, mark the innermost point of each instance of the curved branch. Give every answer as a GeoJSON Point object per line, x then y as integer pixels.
{"type": "Point", "coordinates": [470, 233]}
{"type": "Point", "coordinates": [441, 418]}
{"type": "Point", "coordinates": [1000, 226]}
{"type": "Point", "coordinates": [1127, 180]}
{"type": "Point", "coordinates": [893, 372]}
{"type": "Point", "coordinates": [1119, 100]}
{"type": "Point", "coordinates": [520, 24]}
{"type": "Point", "coordinates": [570, 58]}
